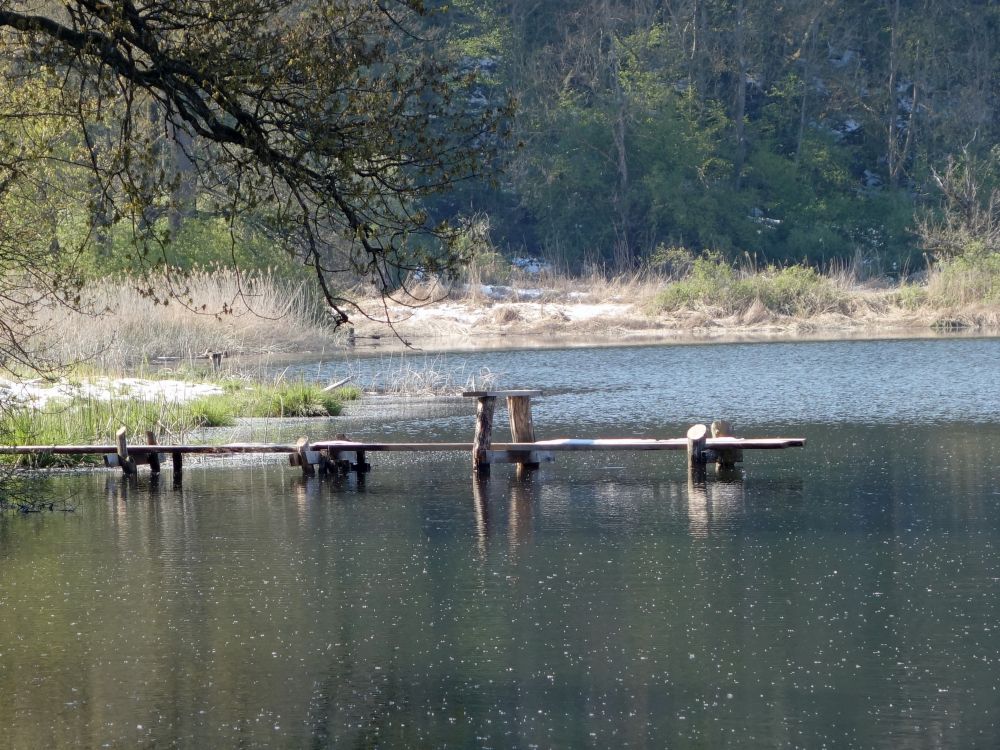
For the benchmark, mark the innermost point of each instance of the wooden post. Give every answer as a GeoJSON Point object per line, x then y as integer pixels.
{"type": "Point", "coordinates": [341, 464]}
{"type": "Point", "coordinates": [177, 463]}
{"type": "Point", "coordinates": [485, 406]}
{"type": "Point", "coordinates": [127, 464]}
{"type": "Point", "coordinates": [696, 436]}
{"type": "Point", "coordinates": [302, 450]}
{"type": "Point", "coordinates": [726, 458]}
{"type": "Point", "coordinates": [154, 458]}
{"type": "Point", "coordinates": [361, 466]}
{"type": "Point", "coordinates": [522, 429]}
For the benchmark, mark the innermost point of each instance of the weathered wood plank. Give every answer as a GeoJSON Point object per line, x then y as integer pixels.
{"type": "Point", "coordinates": [354, 446]}
{"type": "Point", "coordinates": [562, 444]}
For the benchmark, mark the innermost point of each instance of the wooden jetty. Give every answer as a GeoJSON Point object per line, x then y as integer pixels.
{"type": "Point", "coordinates": [702, 444]}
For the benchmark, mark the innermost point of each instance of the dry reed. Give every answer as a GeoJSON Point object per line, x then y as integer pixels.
{"type": "Point", "coordinates": [117, 326]}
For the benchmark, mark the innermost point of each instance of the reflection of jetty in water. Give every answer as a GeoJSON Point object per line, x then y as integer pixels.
{"type": "Point", "coordinates": [521, 498]}
{"type": "Point", "coordinates": [716, 504]}
{"type": "Point", "coordinates": [712, 502]}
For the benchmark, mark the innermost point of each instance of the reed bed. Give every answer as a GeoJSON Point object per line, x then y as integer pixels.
{"type": "Point", "coordinates": [428, 376]}
{"type": "Point", "coordinates": [117, 326]}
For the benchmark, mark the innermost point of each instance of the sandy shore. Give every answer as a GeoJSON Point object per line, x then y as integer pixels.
{"type": "Point", "coordinates": [505, 323]}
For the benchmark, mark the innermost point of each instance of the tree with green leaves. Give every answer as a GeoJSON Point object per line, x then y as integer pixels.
{"type": "Point", "coordinates": [326, 125]}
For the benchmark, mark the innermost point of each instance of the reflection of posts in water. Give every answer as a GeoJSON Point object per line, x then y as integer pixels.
{"type": "Point", "coordinates": [116, 492]}
{"type": "Point", "coordinates": [520, 510]}
{"type": "Point", "coordinates": [714, 504]}
{"type": "Point", "coordinates": [306, 490]}
{"type": "Point", "coordinates": [481, 504]}
{"type": "Point", "coordinates": [698, 510]}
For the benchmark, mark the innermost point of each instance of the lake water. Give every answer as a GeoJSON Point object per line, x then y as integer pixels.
{"type": "Point", "coordinates": [842, 595]}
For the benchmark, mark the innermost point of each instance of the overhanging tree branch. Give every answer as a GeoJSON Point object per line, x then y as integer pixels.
{"type": "Point", "coordinates": [341, 113]}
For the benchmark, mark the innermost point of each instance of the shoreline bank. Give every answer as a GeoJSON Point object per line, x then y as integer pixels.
{"type": "Point", "coordinates": [456, 326]}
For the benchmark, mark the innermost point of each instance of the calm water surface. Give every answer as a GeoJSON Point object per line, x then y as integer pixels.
{"type": "Point", "coordinates": [843, 595]}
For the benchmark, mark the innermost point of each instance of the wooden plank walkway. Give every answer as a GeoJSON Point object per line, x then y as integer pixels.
{"type": "Point", "coordinates": [524, 450]}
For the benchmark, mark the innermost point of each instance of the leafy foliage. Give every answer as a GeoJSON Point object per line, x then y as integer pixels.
{"type": "Point", "coordinates": [804, 131]}
{"type": "Point", "coordinates": [316, 128]}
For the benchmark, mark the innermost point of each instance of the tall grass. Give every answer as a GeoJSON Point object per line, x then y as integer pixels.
{"type": "Point", "coordinates": [970, 279]}
{"type": "Point", "coordinates": [87, 421]}
{"type": "Point", "coordinates": [791, 291]}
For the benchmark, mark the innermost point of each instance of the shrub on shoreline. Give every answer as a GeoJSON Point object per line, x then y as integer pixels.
{"type": "Point", "coordinates": [712, 282]}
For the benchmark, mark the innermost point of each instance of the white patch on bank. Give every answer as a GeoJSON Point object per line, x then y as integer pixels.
{"type": "Point", "coordinates": [37, 393]}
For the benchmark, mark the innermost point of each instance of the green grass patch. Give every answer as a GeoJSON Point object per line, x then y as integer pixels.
{"type": "Point", "coordinates": [94, 422]}
{"type": "Point", "coordinates": [296, 399]}
{"type": "Point", "coordinates": [712, 282]}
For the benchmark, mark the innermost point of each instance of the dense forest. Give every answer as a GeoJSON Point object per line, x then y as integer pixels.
{"type": "Point", "coordinates": [806, 129]}
{"type": "Point", "coordinates": [595, 132]}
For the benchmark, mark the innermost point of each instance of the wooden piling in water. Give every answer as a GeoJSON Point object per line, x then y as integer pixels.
{"type": "Point", "coordinates": [725, 458]}
{"type": "Point", "coordinates": [696, 437]}
{"type": "Point", "coordinates": [177, 465]}
{"type": "Point", "coordinates": [483, 439]}
{"type": "Point", "coordinates": [521, 425]}
{"type": "Point", "coordinates": [522, 429]}
{"type": "Point", "coordinates": [124, 460]}
{"type": "Point", "coordinates": [154, 458]}
{"type": "Point", "coordinates": [305, 457]}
